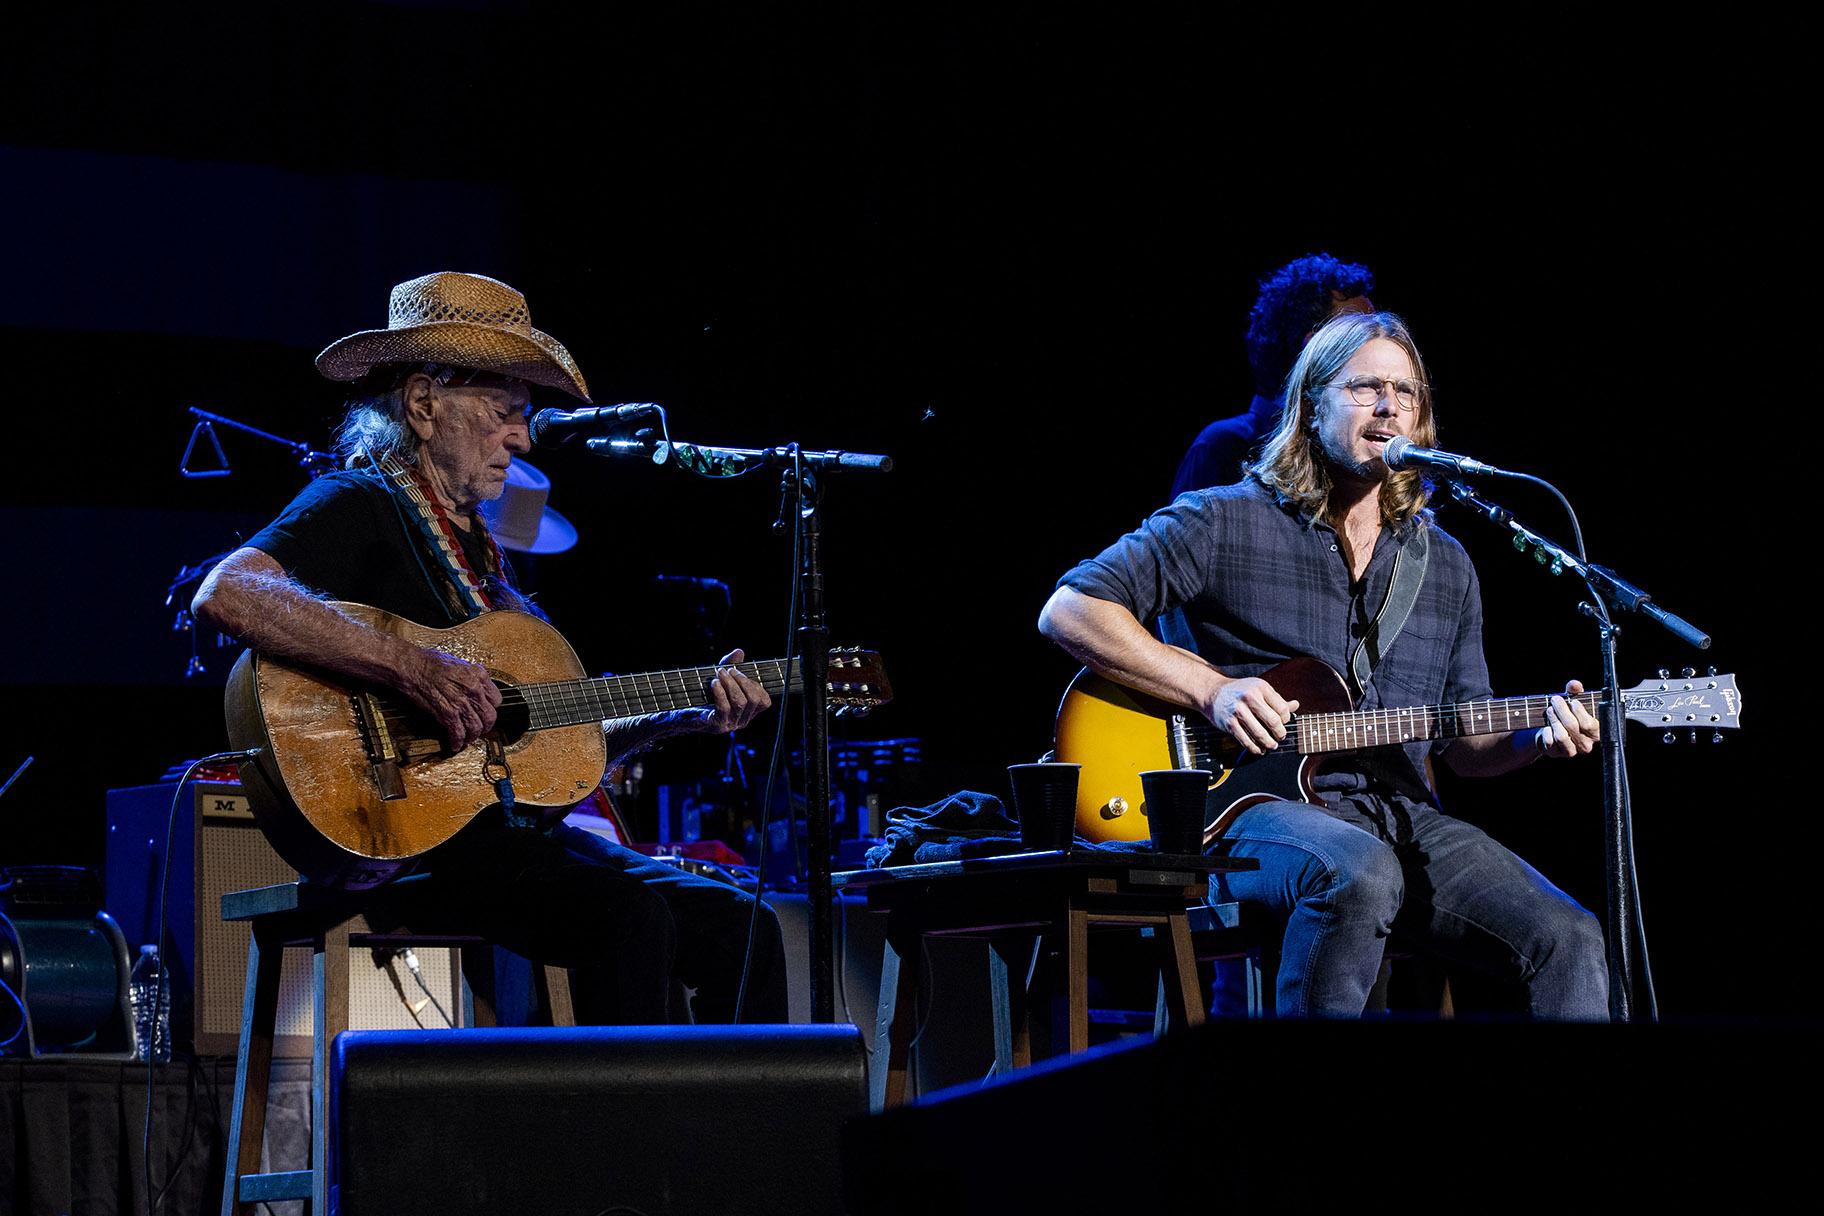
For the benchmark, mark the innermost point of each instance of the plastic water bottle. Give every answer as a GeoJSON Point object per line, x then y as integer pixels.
{"type": "Point", "coordinates": [147, 988]}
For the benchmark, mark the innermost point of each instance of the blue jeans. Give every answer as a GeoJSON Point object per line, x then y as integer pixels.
{"type": "Point", "coordinates": [1346, 876]}
{"type": "Point", "coordinates": [627, 925]}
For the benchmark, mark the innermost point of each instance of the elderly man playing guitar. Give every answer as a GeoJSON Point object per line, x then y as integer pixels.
{"type": "Point", "coordinates": [1323, 552]}
{"type": "Point", "coordinates": [438, 413]}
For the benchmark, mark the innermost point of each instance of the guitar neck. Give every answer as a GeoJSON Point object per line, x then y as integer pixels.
{"type": "Point", "coordinates": [1341, 732]}
{"type": "Point", "coordinates": [570, 702]}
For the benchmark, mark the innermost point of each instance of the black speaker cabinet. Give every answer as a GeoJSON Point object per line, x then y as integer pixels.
{"type": "Point", "coordinates": [1365, 1116]}
{"type": "Point", "coordinates": [580, 1122]}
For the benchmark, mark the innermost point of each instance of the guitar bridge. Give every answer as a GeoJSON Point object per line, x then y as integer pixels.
{"type": "Point", "coordinates": [382, 754]}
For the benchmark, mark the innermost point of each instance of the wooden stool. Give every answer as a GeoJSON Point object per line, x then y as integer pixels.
{"type": "Point", "coordinates": [1005, 900]}
{"type": "Point", "coordinates": [330, 923]}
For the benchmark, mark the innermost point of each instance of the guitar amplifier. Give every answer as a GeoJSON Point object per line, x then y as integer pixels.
{"type": "Point", "coordinates": [218, 848]}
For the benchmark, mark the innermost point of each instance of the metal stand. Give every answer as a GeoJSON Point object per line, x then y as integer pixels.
{"type": "Point", "coordinates": [1625, 932]}
{"type": "Point", "coordinates": [814, 661]}
{"type": "Point", "coordinates": [801, 494]}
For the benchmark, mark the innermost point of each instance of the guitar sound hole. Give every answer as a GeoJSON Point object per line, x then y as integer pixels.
{"type": "Point", "coordinates": [513, 719]}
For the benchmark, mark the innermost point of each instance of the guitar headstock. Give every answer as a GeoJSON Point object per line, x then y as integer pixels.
{"type": "Point", "coordinates": [1706, 702]}
{"type": "Point", "coordinates": [857, 682]}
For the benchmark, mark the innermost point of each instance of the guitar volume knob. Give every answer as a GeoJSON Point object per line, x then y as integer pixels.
{"type": "Point", "coordinates": [1114, 808]}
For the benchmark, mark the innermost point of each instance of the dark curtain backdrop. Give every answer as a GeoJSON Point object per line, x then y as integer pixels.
{"type": "Point", "coordinates": [1013, 248]}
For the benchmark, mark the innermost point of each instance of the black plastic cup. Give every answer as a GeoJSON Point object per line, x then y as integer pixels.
{"type": "Point", "coordinates": [1175, 799]}
{"type": "Point", "coordinates": [1045, 803]}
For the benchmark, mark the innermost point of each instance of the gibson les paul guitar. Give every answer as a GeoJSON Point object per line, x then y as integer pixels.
{"type": "Point", "coordinates": [352, 783]}
{"type": "Point", "coordinates": [1116, 734]}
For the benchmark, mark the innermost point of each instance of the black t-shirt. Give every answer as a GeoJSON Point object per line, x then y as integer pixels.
{"type": "Point", "coordinates": [345, 537]}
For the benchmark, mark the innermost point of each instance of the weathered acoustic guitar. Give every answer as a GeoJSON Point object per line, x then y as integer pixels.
{"type": "Point", "coordinates": [352, 782]}
{"type": "Point", "coordinates": [1116, 734]}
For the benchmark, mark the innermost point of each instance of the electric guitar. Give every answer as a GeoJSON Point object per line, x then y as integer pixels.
{"type": "Point", "coordinates": [352, 783]}
{"type": "Point", "coordinates": [1116, 734]}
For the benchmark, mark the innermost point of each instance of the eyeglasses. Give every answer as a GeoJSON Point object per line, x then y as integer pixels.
{"type": "Point", "coordinates": [1367, 390]}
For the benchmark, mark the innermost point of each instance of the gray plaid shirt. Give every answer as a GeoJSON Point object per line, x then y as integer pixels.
{"type": "Point", "coordinates": [1260, 584]}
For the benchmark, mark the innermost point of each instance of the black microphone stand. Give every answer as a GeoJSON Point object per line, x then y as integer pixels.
{"type": "Point", "coordinates": [1624, 928]}
{"type": "Point", "coordinates": [801, 494]}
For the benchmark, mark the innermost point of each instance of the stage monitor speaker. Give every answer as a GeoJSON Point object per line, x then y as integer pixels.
{"type": "Point", "coordinates": [1365, 1116]}
{"type": "Point", "coordinates": [218, 848]}
{"type": "Point", "coordinates": [578, 1122]}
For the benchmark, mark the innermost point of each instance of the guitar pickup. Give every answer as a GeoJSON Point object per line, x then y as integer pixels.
{"type": "Point", "coordinates": [382, 755]}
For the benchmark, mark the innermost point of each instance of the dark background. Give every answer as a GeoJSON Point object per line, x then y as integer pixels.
{"type": "Point", "coordinates": [1013, 249]}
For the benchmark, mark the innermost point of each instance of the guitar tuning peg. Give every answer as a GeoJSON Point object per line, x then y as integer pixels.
{"type": "Point", "coordinates": [1688, 672]}
{"type": "Point", "coordinates": [181, 623]}
{"type": "Point", "coordinates": [1716, 736]}
{"type": "Point", "coordinates": [1557, 566]}
{"type": "Point", "coordinates": [1668, 737]}
{"type": "Point", "coordinates": [842, 711]}
{"type": "Point", "coordinates": [1664, 674]}
{"type": "Point", "coordinates": [1694, 734]}
{"type": "Point", "coordinates": [1712, 670]}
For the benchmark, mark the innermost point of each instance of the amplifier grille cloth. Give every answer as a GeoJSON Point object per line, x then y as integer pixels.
{"type": "Point", "coordinates": [235, 856]}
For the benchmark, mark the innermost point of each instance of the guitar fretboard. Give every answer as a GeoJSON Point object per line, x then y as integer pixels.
{"type": "Point", "coordinates": [1388, 727]}
{"type": "Point", "coordinates": [570, 702]}
{"type": "Point", "coordinates": [1364, 728]}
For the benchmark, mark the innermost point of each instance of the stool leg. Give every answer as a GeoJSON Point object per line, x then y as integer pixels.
{"type": "Point", "coordinates": [330, 993]}
{"type": "Point", "coordinates": [1076, 971]}
{"type": "Point", "coordinates": [554, 982]}
{"type": "Point", "coordinates": [253, 1069]}
{"type": "Point", "coordinates": [1178, 972]}
{"type": "Point", "coordinates": [1257, 985]}
{"type": "Point", "coordinates": [1008, 956]}
{"type": "Point", "coordinates": [477, 962]}
{"type": "Point", "coordinates": [894, 1021]}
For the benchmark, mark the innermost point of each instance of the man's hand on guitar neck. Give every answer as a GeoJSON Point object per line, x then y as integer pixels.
{"type": "Point", "coordinates": [1570, 729]}
{"type": "Point", "coordinates": [738, 699]}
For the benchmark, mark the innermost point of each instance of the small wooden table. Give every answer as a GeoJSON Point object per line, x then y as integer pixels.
{"type": "Point", "coordinates": [1004, 900]}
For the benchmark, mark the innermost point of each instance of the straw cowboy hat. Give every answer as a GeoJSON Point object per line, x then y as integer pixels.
{"type": "Point", "coordinates": [519, 518]}
{"type": "Point", "coordinates": [467, 320]}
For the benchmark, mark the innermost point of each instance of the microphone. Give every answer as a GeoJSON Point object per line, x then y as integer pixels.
{"type": "Point", "coordinates": [553, 428]}
{"type": "Point", "coordinates": [1403, 453]}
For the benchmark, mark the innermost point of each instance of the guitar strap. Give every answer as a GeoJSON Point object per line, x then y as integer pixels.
{"type": "Point", "coordinates": [475, 591]}
{"type": "Point", "coordinates": [471, 593]}
{"type": "Point", "coordinates": [1402, 593]}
